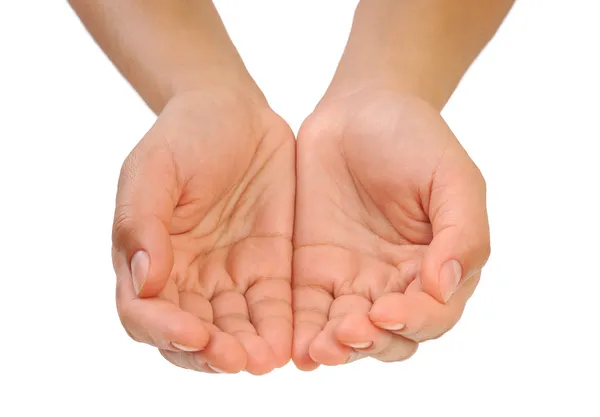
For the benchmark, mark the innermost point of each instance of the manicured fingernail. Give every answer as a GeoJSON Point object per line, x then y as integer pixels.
{"type": "Point", "coordinates": [450, 275]}
{"type": "Point", "coordinates": [185, 348]}
{"type": "Point", "coordinates": [140, 264]}
{"type": "Point", "coordinates": [390, 326]}
{"type": "Point", "coordinates": [362, 345]}
{"type": "Point", "coordinates": [217, 370]}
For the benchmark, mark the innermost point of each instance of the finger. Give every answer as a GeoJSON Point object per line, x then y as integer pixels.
{"type": "Point", "coordinates": [461, 239]}
{"type": "Point", "coordinates": [358, 332]}
{"type": "Point", "coordinates": [326, 349]}
{"type": "Point", "coordinates": [311, 309]}
{"type": "Point", "coordinates": [185, 360]}
{"type": "Point", "coordinates": [223, 354]}
{"type": "Point", "coordinates": [269, 303]}
{"type": "Point", "coordinates": [157, 321]}
{"type": "Point", "coordinates": [195, 304]}
{"type": "Point", "coordinates": [418, 316]}
{"type": "Point", "coordinates": [146, 197]}
{"type": "Point", "coordinates": [231, 316]}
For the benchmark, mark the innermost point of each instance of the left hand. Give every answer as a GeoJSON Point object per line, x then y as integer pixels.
{"type": "Point", "coordinates": [391, 229]}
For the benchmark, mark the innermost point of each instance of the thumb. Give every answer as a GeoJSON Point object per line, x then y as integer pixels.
{"type": "Point", "coordinates": [146, 198]}
{"type": "Point", "coordinates": [461, 239]}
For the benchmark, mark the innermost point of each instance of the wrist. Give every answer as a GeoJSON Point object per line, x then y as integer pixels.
{"type": "Point", "coordinates": [397, 46]}
{"type": "Point", "coordinates": [221, 98]}
{"type": "Point", "coordinates": [216, 82]}
{"type": "Point", "coordinates": [367, 70]}
{"type": "Point", "coordinates": [378, 83]}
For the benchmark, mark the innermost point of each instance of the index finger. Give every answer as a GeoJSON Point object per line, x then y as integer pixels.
{"type": "Point", "coordinates": [156, 321]}
{"type": "Point", "coordinates": [418, 316]}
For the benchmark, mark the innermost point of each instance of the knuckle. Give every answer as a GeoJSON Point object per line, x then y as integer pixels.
{"type": "Point", "coordinates": [125, 315]}
{"type": "Point", "coordinates": [123, 225]}
{"type": "Point", "coordinates": [486, 250]}
{"type": "Point", "coordinates": [477, 177]}
{"type": "Point", "coordinates": [131, 335]}
{"type": "Point", "coordinates": [481, 250]}
{"type": "Point", "coordinates": [127, 318]}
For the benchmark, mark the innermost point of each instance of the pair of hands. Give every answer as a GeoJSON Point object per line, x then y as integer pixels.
{"type": "Point", "coordinates": [237, 247]}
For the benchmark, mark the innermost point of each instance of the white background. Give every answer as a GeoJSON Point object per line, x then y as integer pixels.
{"type": "Point", "coordinates": [528, 112]}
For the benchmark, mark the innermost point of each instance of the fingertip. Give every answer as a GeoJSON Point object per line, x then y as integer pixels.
{"type": "Point", "coordinates": [160, 264]}
{"type": "Point", "coordinates": [449, 278]}
{"type": "Point", "coordinates": [235, 359]}
{"type": "Point", "coordinates": [355, 331]}
{"type": "Point", "coordinates": [460, 248]}
{"type": "Point", "coordinates": [158, 322]}
{"type": "Point", "coordinates": [302, 359]}
{"type": "Point", "coordinates": [279, 337]}
{"type": "Point", "coordinates": [224, 353]}
{"type": "Point", "coordinates": [185, 348]}
{"type": "Point", "coordinates": [416, 316]}
{"type": "Point", "coordinates": [260, 356]}
{"type": "Point", "coordinates": [280, 363]}
{"type": "Point", "coordinates": [282, 353]}
{"type": "Point", "coordinates": [145, 244]}
{"type": "Point", "coordinates": [305, 364]}
{"type": "Point", "coordinates": [387, 312]}
{"type": "Point", "coordinates": [326, 350]}
{"type": "Point", "coordinates": [304, 334]}
{"type": "Point", "coordinates": [140, 266]}
{"type": "Point", "coordinates": [429, 276]}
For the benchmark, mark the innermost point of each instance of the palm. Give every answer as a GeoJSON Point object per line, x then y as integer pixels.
{"type": "Point", "coordinates": [232, 185]}
{"type": "Point", "coordinates": [362, 222]}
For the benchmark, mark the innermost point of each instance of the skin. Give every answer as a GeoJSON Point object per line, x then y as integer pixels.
{"type": "Point", "coordinates": [212, 238]}
{"type": "Point", "coordinates": [391, 229]}
{"type": "Point", "coordinates": [202, 236]}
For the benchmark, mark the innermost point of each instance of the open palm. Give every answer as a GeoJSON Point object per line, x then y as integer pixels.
{"type": "Point", "coordinates": [382, 190]}
{"type": "Point", "coordinates": [202, 233]}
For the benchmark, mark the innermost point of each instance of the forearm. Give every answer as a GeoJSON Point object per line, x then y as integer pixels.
{"type": "Point", "coordinates": [164, 48]}
{"type": "Point", "coordinates": [418, 47]}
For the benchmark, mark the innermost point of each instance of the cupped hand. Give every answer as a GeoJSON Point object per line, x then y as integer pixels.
{"type": "Point", "coordinates": [202, 235]}
{"type": "Point", "coordinates": [390, 232]}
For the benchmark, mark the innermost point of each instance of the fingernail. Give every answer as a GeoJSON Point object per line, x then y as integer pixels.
{"type": "Point", "coordinates": [217, 370]}
{"type": "Point", "coordinates": [450, 275]}
{"type": "Point", "coordinates": [185, 348]}
{"type": "Point", "coordinates": [390, 326]}
{"type": "Point", "coordinates": [362, 345]}
{"type": "Point", "coordinates": [140, 264]}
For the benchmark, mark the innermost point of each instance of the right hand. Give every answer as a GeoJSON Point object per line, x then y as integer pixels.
{"type": "Point", "coordinates": [202, 235]}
